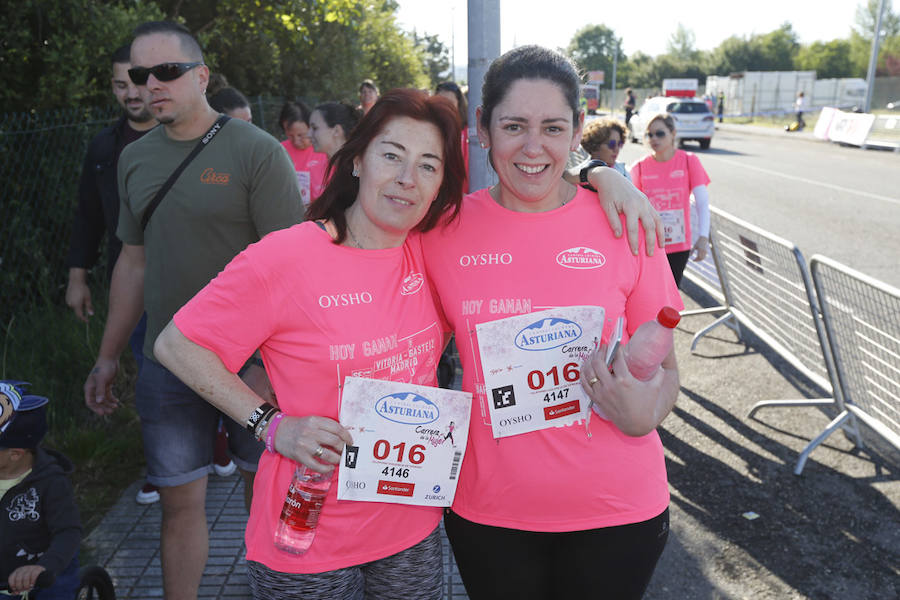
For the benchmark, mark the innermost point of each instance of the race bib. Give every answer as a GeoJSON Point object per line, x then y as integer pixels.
{"type": "Point", "coordinates": [408, 442]}
{"type": "Point", "coordinates": [673, 222]}
{"type": "Point", "coordinates": [303, 183]}
{"type": "Point", "coordinates": [532, 367]}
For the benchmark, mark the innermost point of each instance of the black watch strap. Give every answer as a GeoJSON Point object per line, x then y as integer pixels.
{"type": "Point", "coordinates": [583, 175]}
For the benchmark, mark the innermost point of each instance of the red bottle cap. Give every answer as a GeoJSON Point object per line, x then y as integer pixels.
{"type": "Point", "coordinates": [668, 317]}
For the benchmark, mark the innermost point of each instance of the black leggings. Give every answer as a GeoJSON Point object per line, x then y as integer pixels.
{"type": "Point", "coordinates": [612, 562]}
{"type": "Point", "coordinates": [677, 262]}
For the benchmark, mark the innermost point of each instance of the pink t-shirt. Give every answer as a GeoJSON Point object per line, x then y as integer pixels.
{"type": "Point", "coordinates": [494, 263]}
{"type": "Point", "coordinates": [310, 166]}
{"type": "Point", "coordinates": [668, 185]}
{"type": "Point", "coordinates": [319, 312]}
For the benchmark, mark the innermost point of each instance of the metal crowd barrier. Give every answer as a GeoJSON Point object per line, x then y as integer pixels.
{"type": "Point", "coordinates": [885, 133]}
{"type": "Point", "coordinates": [862, 320]}
{"type": "Point", "coordinates": [767, 288]}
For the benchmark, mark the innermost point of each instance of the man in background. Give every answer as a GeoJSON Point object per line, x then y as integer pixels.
{"type": "Point", "coordinates": [234, 184]}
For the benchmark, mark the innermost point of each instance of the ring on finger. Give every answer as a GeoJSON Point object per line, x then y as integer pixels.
{"type": "Point", "coordinates": [318, 452]}
{"type": "Point", "coordinates": [593, 380]}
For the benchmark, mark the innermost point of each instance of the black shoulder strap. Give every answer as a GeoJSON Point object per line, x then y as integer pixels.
{"type": "Point", "coordinates": [206, 139]}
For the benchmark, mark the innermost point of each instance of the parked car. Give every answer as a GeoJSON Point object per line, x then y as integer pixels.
{"type": "Point", "coordinates": [693, 119]}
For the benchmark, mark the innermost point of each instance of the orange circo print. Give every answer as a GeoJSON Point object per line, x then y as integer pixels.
{"type": "Point", "coordinates": [210, 176]}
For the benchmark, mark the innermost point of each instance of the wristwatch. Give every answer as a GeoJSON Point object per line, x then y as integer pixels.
{"type": "Point", "coordinates": [583, 175]}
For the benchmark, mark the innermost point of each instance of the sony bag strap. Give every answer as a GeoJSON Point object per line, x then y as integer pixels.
{"type": "Point", "coordinates": [204, 141]}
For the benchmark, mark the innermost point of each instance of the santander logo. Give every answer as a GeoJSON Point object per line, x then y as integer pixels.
{"type": "Point", "coordinates": [412, 284]}
{"type": "Point", "coordinates": [580, 258]}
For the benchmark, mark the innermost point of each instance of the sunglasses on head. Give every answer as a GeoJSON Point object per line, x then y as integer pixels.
{"type": "Point", "coordinates": [660, 133]}
{"type": "Point", "coordinates": [163, 71]}
{"type": "Point", "coordinates": [613, 144]}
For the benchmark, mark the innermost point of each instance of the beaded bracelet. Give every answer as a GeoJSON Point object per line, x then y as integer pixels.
{"type": "Point", "coordinates": [270, 434]}
{"type": "Point", "coordinates": [257, 415]}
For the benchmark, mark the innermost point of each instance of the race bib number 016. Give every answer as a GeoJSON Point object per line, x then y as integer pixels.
{"type": "Point", "coordinates": [532, 367]}
{"type": "Point", "coordinates": [408, 442]}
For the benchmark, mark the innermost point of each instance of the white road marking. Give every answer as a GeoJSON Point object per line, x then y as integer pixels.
{"type": "Point", "coordinates": [831, 186]}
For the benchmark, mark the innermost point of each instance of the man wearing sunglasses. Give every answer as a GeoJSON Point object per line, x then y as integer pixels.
{"type": "Point", "coordinates": [236, 184]}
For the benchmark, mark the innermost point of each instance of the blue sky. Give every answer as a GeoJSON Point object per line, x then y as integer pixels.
{"type": "Point", "coordinates": [644, 25]}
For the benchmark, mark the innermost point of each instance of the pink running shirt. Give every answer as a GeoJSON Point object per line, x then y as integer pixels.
{"type": "Point", "coordinates": [494, 263]}
{"type": "Point", "coordinates": [310, 166]}
{"type": "Point", "coordinates": [669, 185]}
{"type": "Point", "coordinates": [319, 312]}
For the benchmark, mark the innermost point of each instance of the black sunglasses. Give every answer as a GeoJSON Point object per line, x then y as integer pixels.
{"type": "Point", "coordinates": [163, 71]}
{"type": "Point", "coordinates": [613, 144]}
{"type": "Point", "coordinates": [660, 133]}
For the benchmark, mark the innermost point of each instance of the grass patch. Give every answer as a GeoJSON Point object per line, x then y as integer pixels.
{"type": "Point", "coordinates": [48, 347]}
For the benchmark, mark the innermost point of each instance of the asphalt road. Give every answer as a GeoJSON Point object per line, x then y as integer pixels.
{"type": "Point", "coordinates": [841, 202]}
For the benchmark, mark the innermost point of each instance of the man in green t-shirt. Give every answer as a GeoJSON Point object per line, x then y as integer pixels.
{"type": "Point", "coordinates": [240, 187]}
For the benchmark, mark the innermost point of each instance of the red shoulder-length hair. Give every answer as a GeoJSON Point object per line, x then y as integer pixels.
{"type": "Point", "coordinates": [342, 188]}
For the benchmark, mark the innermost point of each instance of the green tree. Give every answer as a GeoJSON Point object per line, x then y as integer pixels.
{"type": "Point", "coordinates": [827, 59]}
{"type": "Point", "coordinates": [682, 45]}
{"type": "Point", "coordinates": [56, 53]}
{"type": "Point", "coordinates": [777, 49]}
{"type": "Point", "coordinates": [863, 33]}
{"type": "Point", "coordinates": [867, 17]}
{"type": "Point", "coordinates": [436, 58]}
{"type": "Point", "coordinates": [593, 47]}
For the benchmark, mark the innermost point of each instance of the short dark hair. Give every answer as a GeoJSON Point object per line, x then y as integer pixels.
{"type": "Point", "coordinates": [339, 113]}
{"type": "Point", "coordinates": [189, 44]}
{"type": "Point", "coordinates": [529, 62]}
{"type": "Point", "coordinates": [228, 99]}
{"type": "Point", "coordinates": [461, 102]}
{"type": "Point", "coordinates": [342, 188]}
{"type": "Point", "coordinates": [292, 112]}
{"type": "Point", "coordinates": [369, 84]}
{"type": "Point", "coordinates": [122, 54]}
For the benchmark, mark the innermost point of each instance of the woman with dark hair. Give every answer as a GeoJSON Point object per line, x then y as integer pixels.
{"type": "Point", "coordinates": [451, 92]}
{"type": "Point", "coordinates": [330, 124]}
{"type": "Point", "coordinates": [309, 164]}
{"type": "Point", "coordinates": [571, 511]}
{"type": "Point", "coordinates": [335, 281]}
{"type": "Point", "coordinates": [231, 102]}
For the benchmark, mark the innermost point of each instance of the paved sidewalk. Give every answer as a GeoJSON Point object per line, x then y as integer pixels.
{"type": "Point", "coordinates": [126, 543]}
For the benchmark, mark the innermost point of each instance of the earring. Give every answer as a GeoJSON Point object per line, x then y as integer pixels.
{"type": "Point", "coordinates": [483, 146]}
{"type": "Point", "coordinates": [355, 172]}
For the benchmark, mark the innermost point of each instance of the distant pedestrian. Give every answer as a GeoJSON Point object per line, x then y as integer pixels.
{"type": "Point", "coordinates": [799, 105]}
{"type": "Point", "coordinates": [330, 125]}
{"type": "Point", "coordinates": [629, 105]}
{"type": "Point", "coordinates": [720, 105]}
{"type": "Point", "coordinates": [309, 164]}
{"type": "Point", "coordinates": [368, 95]}
{"type": "Point", "coordinates": [233, 103]}
{"type": "Point", "coordinates": [669, 177]}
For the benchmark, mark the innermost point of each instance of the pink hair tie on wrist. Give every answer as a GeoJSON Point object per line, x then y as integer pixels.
{"type": "Point", "coordinates": [270, 434]}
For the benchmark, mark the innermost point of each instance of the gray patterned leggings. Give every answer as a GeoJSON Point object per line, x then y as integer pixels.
{"type": "Point", "coordinates": [413, 574]}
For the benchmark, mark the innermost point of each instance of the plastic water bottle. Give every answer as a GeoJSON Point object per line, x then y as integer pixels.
{"type": "Point", "coordinates": [650, 344]}
{"type": "Point", "coordinates": [302, 507]}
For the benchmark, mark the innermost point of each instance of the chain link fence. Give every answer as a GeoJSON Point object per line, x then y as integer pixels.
{"type": "Point", "coordinates": [41, 156]}
{"type": "Point", "coordinates": [40, 163]}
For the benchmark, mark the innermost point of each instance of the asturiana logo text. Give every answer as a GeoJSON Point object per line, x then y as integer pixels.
{"type": "Point", "coordinates": [580, 258]}
{"type": "Point", "coordinates": [407, 408]}
{"type": "Point", "coordinates": [548, 333]}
